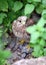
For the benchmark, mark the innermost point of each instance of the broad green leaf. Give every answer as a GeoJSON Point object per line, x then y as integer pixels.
{"type": "Point", "coordinates": [34, 37]}
{"type": "Point", "coordinates": [31, 29]}
{"type": "Point", "coordinates": [39, 9]}
{"type": "Point", "coordinates": [37, 0]}
{"type": "Point", "coordinates": [43, 35]}
{"type": "Point", "coordinates": [3, 5]}
{"type": "Point", "coordinates": [34, 3]}
{"type": "Point", "coordinates": [44, 14]}
{"type": "Point", "coordinates": [6, 53]}
{"type": "Point", "coordinates": [17, 6]}
{"type": "Point", "coordinates": [44, 51]}
{"type": "Point", "coordinates": [2, 16]}
{"type": "Point", "coordinates": [37, 51]}
{"type": "Point", "coordinates": [41, 22]}
{"type": "Point", "coordinates": [30, 1]}
{"type": "Point", "coordinates": [44, 2]}
{"type": "Point", "coordinates": [42, 42]}
{"type": "Point", "coordinates": [10, 4]}
{"type": "Point", "coordinates": [39, 28]}
{"type": "Point", "coordinates": [11, 16]}
{"type": "Point", "coordinates": [29, 8]}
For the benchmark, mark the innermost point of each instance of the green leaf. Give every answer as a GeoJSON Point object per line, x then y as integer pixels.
{"type": "Point", "coordinates": [42, 42]}
{"type": "Point", "coordinates": [2, 16]}
{"type": "Point", "coordinates": [30, 1]}
{"type": "Point", "coordinates": [44, 2]}
{"type": "Point", "coordinates": [1, 32]}
{"type": "Point", "coordinates": [6, 53]}
{"type": "Point", "coordinates": [29, 8]}
{"type": "Point", "coordinates": [10, 4]}
{"type": "Point", "coordinates": [34, 37]}
{"type": "Point", "coordinates": [41, 22]}
{"type": "Point", "coordinates": [44, 51]}
{"type": "Point", "coordinates": [39, 28]}
{"type": "Point", "coordinates": [37, 0]}
{"type": "Point", "coordinates": [11, 16]}
{"type": "Point", "coordinates": [3, 5]}
{"type": "Point", "coordinates": [37, 51]}
{"type": "Point", "coordinates": [43, 35]}
{"type": "Point", "coordinates": [17, 6]}
{"type": "Point", "coordinates": [39, 9]}
{"type": "Point", "coordinates": [44, 14]}
{"type": "Point", "coordinates": [31, 29]}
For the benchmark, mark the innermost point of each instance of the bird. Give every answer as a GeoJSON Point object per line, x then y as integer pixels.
{"type": "Point", "coordinates": [19, 28]}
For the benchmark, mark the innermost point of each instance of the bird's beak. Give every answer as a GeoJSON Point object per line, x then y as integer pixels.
{"type": "Point", "coordinates": [23, 22]}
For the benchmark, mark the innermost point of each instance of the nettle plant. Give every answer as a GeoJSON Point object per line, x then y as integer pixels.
{"type": "Point", "coordinates": [38, 37]}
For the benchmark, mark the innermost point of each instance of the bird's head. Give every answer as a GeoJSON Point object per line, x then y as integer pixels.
{"type": "Point", "coordinates": [22, 19]}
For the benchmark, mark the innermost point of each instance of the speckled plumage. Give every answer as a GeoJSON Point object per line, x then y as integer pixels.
{"type": "Point", "coordinates": [19, 28]}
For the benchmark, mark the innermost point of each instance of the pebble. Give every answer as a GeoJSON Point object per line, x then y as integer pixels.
{"type": "Point", "coordinates": [23, 55]}
{"type": "Point", "coordinates": [20, 47]}
{"type": "Point", "coordinates": [25, 50]}
{"type": "Point", "coordinates": [31, 50]}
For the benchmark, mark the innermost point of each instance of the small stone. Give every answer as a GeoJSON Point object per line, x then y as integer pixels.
{"type": "Point", "coordinates": [12, 43]}
{"type": "Point", "coordinates": [25, 50]}
{"type": "Point", "coordinates": [31, 50]}
{"type": "Point", "coordinates": [8, 49]}
{"type": "Point", "coordinates": [19, 54]}
{"type": "Point", "coordinates": [23, 55]}
{"type": "Point", "coordinates": [20, 47]}
{"type": "Point", "coordinates": [10, 60]}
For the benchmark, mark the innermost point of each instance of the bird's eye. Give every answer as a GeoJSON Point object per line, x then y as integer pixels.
{"type": "Point", "coordinates": [20, 21]}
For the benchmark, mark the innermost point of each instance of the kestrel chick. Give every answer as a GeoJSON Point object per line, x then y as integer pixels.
{"type": "Point", "coordinates": [19, 28]}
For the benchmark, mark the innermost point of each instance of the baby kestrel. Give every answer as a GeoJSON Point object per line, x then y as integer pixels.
{"type": "Point", "coordinates": [19, 28]}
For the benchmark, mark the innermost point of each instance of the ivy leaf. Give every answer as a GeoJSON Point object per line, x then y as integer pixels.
{"type": "Point", "coordinates": [2, 16]}
{"type": "Point", "coordinates": [17, 6]}
{"type": "Point", "coordinates": [3, 5]}
{"type": "Point", "coordinates": [29, 8]}
{"type": "Point", "coordinates": [44, 14]}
